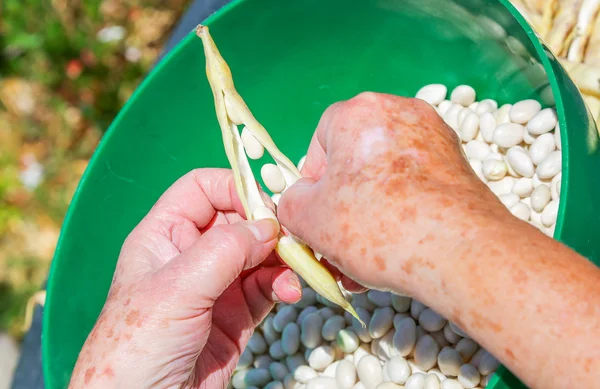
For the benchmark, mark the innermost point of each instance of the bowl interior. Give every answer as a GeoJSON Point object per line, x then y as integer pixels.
{"type": "Point", "coordinates": [290, 60]}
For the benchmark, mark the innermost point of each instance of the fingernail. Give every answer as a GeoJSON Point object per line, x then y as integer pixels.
{"type": "Point", "coordinates": [294, 284]}
{"type": "Point", "coordinates": [264, 230]}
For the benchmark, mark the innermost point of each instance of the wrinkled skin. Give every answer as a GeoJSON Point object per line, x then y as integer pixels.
{"type": "Point", "coordinates": [191, 284]}
{"type": "Point", "coordinates": [390, 200]}
{"type": "Point", "coordinates": [384, 169]}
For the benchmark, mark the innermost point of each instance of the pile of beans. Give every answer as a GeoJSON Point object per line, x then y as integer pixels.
{"type": "Point", "coordinates": [314, 344]}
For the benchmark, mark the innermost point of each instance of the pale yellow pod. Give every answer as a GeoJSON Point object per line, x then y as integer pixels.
{"type": "Point", "coordinates": [232, 111]}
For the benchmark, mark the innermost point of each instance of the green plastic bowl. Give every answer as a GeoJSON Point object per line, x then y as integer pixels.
{"type": "Point", "coordinates": [290, 60]}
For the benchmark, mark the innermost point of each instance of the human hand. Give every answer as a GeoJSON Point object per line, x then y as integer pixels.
{"type": "Point", "coordinates": [390, 199]}
{"type": "Point", "coordinates": [192, 282]}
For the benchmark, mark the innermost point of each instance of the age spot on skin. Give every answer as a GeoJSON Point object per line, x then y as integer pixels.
{"type": "Point", "coordinates": [132, 317]}
{"type": "Point", "coordinates": [89, 374]}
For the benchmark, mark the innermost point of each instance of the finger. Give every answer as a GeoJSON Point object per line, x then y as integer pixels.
{"type": "Point", "coordinates": [352, 286]}
{"type": "Point", "coordinates": [209, 266]}
{"type": "Point", "coordinates": [297, 209]}
{"type": "Point", "coordinates": [268, 285]}
{"type": "Point", "coordinates": [316, 157]}
{"type": "Point", "coordinates": [195, 198]}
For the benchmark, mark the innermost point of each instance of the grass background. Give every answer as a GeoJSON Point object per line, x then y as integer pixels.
{"type": "Point", "coordinates": [66, 68]}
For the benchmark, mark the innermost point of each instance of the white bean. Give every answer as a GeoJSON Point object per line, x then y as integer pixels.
{"type": "Point", "coordinates": [557, 139]}
{"type": "Point", "coordinates": [295, 361]}
{"type": "Point", "coordinates": [380, 299]}
{"type": "Point", "coordinates": [550, 166]}
{"type": "Point", "coordinates": [544, 121]}
{"type": "Point", "coordinates": [369, 371]}
{"type": "Point", "coordinates": [521, 211]}
{"type": "Point", "coordinates": [263, 361]}
{"type": "Point", "coordinates": [362, 351]}
{"type": "Point", "coordinates": [311, 330]}
{"type": "Point", "coordinates": [332, 326]}
{"type": "Point", "coordinates": [508, 134]}
{"type": "Point", "coordinates": [468, 376]}
{"type": "Point", "coordinates": [309, 298]}
{"type": "Point", "coordinates": [485, 380]}
{"type": "Point", "coordinates": [239, 379]}
{"type": "Point", "coordinates": [487, 125]}
{"type": "Point", "coordinates": [469, 127]}
{"type": "Point", "coordinates": [550, 213]}
{"type": "Point", "coordinates": [246, 359]}
{"type": "Point", "coordinates": [450, 335]}
{"type": "Point", "coordinates": [305, 312]}
{"type": "Point", "coordinates": [285, 315]}
{"type": "Point", "coordinates": [401, 303]}
{"type": "Point", "coordinates": [345, 375]}
{"type": "Point", "coordinates": [449, 361]}
{"type": "Point", "coordinates": [509, 200]}
{"type": "Point", "coordinates": [432, 93]}
{"type": "Point", "coordinates": [431, 321]}
{"type": "Point", "coordinates": [399, 317]}
{"type": "Point", "coordinates": [432, 381]}
{"type": "Point", "coordinates": [347, 340]}
{"type": "Point", "coordinates": [520, 161]}
{"type": "Point", "coordinates": [273, 177]}
{"type": "Point", "coordinates": [463, 95]}
{"type": "Point", "coordinates": [426, 351]}
{"type": "Point", "coordinates": [276, 350]}
{"type": "Point", "coordinates": [503, 186]}
{"type": "Point", "coordinates": [487, 105]}
{"type": "Point", "coordinates": [385, 349]}
{"type": "Point", "coordinates": [528, 138]}
{"type": "Point", "coordinates": [502, 115]}
{"type": "Point", "coordinates": [303, 374]}
{"type": "Point", "coordinates": [451, 116]}
{"type": "Point", "coordinates": [278, 371]}
{"type": "Point", "coordinates": [488, 364]}
{"type": "Point", "coordinates": [359, 385]}
{"type": "Point", "coordinates": [523, 187]}
{"type": "Point", "coordinates": [477, 357]}
{"type": "Point", "coordinates": [451, 384]}
{"type": "Point", "coordinates": [540, 198]}
{"type": "Point", "coordinates": [321, 357]}
{"type": "Point", "coordinates": [290, 339]}
{"type": "Point", "coordinates": [257, 377]}
{"type": "Point", "coordinates": [381, 322]}
{"type": "Point", "coordinates": [477, 149]}
{"type": "Point", "coordinates": [524, 110]}
{"type": "Point", "coordinates": [437, 373]}
{"type": "Point", "coordinates": [444, 106]}
{"type": "Point", "coordinates": [362, 332]}
{"type": "Point", "coordinates": [274, 385]}
{"type": "Point", "coordinates": [542, 147]}
{"type": "Point", "coordinates": [463, 114]}
{"type": "Point", "coordinates": [458, 330]}
{"type": "Point", "coordinates": [477, 167]}
{"type": "Point", "coordinates": [397, 369]}
{"type": "Point", "coordinates": [466, 348]}
{"type": "Point", "coordinates": [439, 338]}
{"type": "Point", "coordinates": [537, 181]}
{"type": "Point", "coordinates": [405, 337]}
{"type": "Point", "coordinates": [493, 169]}
{"type": "Point", "coordinates": [554, 186]}
{"type": "Point", "coordinates": [254, 149]}
{"type": "Point", "coordinates": [257, 343]}
{"type": "Point", "coordinates": [415, 381]}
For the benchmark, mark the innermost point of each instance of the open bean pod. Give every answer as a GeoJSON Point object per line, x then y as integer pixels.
{"type": "Point", "coordinates": [232, 111]}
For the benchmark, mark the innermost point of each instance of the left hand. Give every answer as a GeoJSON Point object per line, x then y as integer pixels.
{"type": "Point", "coordinates": [192, 282]}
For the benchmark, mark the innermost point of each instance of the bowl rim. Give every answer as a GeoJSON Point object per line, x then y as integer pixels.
{"type": "Point", "coordinates": [546, 58]}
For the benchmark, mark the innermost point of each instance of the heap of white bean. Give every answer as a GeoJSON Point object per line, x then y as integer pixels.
{"type": "Point", "coordinates": [314, 344]}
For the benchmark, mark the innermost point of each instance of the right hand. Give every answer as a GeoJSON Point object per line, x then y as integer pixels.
{"type": "Point", "coordinates": [389, 197]}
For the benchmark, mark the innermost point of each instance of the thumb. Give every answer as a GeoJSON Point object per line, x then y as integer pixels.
{"type": "Point", "coordinates": [207, 268]}
{"type": "Point", "coordinates": [296, 209]}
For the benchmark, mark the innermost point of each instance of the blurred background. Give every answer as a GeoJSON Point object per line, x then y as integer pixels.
{"type": "Point", "coordinates": [68, 66]}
